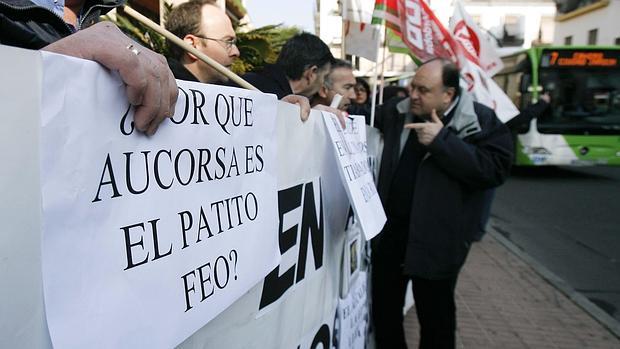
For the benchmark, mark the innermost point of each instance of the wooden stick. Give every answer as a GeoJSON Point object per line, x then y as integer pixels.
{"type": "Point", "coordinates": [168, 35]}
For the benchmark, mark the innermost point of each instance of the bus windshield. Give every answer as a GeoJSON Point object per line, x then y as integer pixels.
{"type": "Point", "coordinates": [583, 101]}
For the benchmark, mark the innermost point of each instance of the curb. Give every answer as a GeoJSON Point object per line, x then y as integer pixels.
{"type": "Point", "coordinates": [584, 303]}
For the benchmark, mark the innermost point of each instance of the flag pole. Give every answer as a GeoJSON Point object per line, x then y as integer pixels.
{"type": "Point", "coordinates": [343, 54]}
{"type": "Point", "coordinates": [173, 38]}
{"type": "Point", "coordinates": [374, 86]}
{"type": "Point", "coordinates": [383, 66]}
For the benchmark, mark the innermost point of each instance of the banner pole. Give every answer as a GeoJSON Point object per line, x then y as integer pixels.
{"type": "Point", "coordinates": [374, 86]}
{"type": "Point", "coordinates": [177, 41]}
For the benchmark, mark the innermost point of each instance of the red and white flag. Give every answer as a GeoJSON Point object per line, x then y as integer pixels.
{"type": "Point", "coordinates": [422, 32]}
{"type": "Point", "coordinates": [476, 46]}
{"type": "Point", "coordinates": [426, 38]}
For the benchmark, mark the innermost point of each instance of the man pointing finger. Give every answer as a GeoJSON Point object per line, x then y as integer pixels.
{"type": "Point", "coordinates": [441, 152]}
{"type": "Point", "coordinates": [427, 131]}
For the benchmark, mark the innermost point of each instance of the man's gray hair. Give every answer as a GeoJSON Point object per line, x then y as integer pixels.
{"type": "Point", "coordinates": [336, 64]}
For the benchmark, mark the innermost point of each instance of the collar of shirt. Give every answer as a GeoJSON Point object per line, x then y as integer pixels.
{"type": "Point", "coordinates": [452, 105]}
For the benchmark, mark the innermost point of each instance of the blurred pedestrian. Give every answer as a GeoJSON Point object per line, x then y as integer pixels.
{"type": "Point", "coordinates": [525, 116]}
{"type": "Point", "coordinates": [361, 104]}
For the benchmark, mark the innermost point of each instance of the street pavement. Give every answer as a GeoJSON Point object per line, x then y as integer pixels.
{"type": "Point", "coordinates": [567, 219]}
{"type": "Point", "coordinates": [503, 301]}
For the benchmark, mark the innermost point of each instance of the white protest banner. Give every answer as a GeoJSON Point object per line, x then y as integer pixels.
{"type": "Point", "coordinates": [323, 336]}
{"type": "Point", "coordinates": [298, 297]}
{"type": "Point", "coordinates": [143, 232]}
{"type": "Point", "coordinates": [295, 304]}
{"type": "Point", "coordinates": [353, 315]}
{"type": "Point", "coordinates": [351, 151]}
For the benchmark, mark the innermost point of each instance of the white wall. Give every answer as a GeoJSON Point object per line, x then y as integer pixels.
{"type": "Point", "coordinates": [604, 19]}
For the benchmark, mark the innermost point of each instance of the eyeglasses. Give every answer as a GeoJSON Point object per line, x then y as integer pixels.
{"type": "Point", "coordinates": [227, 43]}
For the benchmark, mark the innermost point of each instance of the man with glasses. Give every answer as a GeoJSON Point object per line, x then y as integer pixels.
{"type": "Point", "coordinates": [205, 26]}
{"type": "Point", "coordinates": [202, 24]}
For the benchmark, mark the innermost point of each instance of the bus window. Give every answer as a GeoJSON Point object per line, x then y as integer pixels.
{"type": "Point", "coordinates": [583, 101]}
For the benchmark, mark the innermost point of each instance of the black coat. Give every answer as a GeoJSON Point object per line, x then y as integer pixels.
{"type": "Point", "coordinates": [469, 155]}
{"type": "Point", "coordinates": [271, 79]}
{"type": "Point", "coordinates": [24, 24]}
{"type": "Point", "coordinates": [179, 71]}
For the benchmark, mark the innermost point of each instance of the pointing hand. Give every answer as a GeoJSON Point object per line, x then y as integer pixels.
{"type": "Point", "coordinates": [427, 131]}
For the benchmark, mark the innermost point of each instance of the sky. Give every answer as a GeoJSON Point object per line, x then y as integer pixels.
{"type": "Point", "coordinates": [299, 13]}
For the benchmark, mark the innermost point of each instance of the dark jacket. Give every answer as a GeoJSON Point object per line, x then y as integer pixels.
{"type": "Point", "coordinates": [360, 109]}
{"type": "Point", "coordinates": [470, 154]}
{"type": "Point", "coordinates": [271, 79]}
{"type": "Point", "coordinates": [179, 71]}
{"type": "Point", "coordinates": [24, 24]}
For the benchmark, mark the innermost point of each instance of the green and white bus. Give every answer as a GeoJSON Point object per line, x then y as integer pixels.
{"type": "Point", "coordinates": [582, 124]}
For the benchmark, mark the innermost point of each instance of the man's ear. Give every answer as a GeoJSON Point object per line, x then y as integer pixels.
{"type": "Point", "coordinates": [192, 41]}
{"type": "Point", "coordinates": [310, 73]}
{"type": "Point", "coordinates": [323, 91]}
{"type": "Point", "coordinates": [451, 92]}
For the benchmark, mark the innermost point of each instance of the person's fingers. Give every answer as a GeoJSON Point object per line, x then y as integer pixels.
{"type": "Point", "coordinates": [170, 88]}
{"type": "Point", "coordinates": [173, 92]}
{"type": "Point", "coordinates": [115, 51]}
{"type": "Point", "coordinates": [164, 97]}
{"type": "Point", "coordinates": [416, 125]}
{"type": "Point", "coordinates": [149, 83]}
{"type": "Point", "coordinates": [304, 111]}
{"type": "Point", "coordinates": [302, 101]}
{"type": "Point", "coordinates": [434, 117]}
{"type": "Point", "coordinates": [131, 68]}
{"type": "Point", "coordinates": [150, 108]}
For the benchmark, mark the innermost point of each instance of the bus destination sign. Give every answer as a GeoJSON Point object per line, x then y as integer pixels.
{"type": "Point", "coordinates": [574, 58]}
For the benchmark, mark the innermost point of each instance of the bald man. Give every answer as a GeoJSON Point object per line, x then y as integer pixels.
{"type": "Point", "coordinates": [442, 152]}
{"type": "Point", "coordinates": [205, 26]}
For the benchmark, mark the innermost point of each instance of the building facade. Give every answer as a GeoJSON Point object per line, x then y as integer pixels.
{"type": "Point", "coordinates": [587, 22]}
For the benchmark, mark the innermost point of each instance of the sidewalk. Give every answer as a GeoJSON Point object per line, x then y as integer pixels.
{"type": "Point", "coordinates": [502, 302]}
